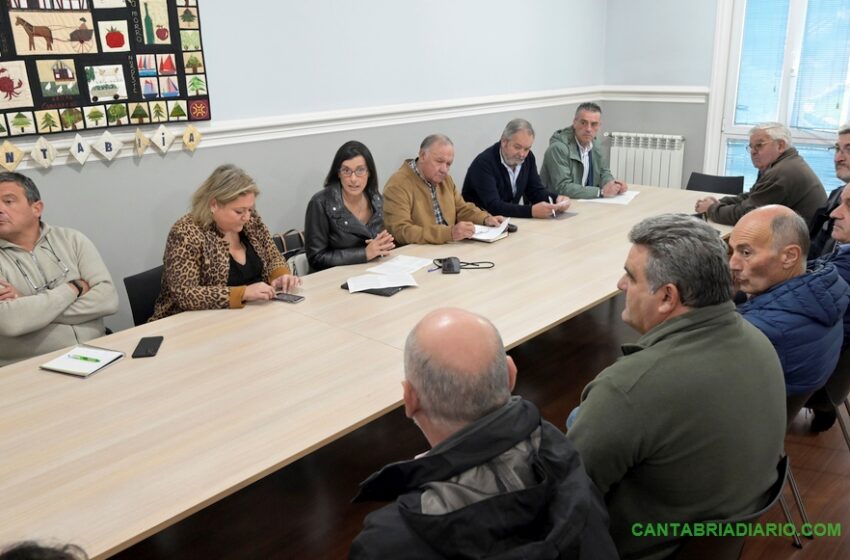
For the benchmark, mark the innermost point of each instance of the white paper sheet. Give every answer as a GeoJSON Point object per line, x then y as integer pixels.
{"type": "Point", "coordinates": [400, 264]}
{"type": "Point", "coordinates": [621, 199]}
{"type": "Point", "coordinates": [369, 281]}
{"type": "Point", "coordinates": [487, 233]}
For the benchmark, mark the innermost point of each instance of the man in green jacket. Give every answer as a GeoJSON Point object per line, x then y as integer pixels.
{"type": "Point", "coordinates": [573, 165]}
{"type": "Point", "coordinates": [689, 424]}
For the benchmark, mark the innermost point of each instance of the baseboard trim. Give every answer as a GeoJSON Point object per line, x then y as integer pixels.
{"type": "Point", "coordinates": [239, 131]}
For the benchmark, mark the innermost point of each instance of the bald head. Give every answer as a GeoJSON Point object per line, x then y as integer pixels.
{"type": "Point", "coordinates": [768, 246]}
{"type": "Point", "coordinates": [456, 362]}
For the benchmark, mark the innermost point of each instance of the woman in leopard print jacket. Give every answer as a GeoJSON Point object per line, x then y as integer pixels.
{"type": "Point", "coordinates": [221, 255]}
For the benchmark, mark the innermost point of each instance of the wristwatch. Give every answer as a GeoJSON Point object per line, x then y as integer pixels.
{"type": "Point", "coordinates": [79, 285]}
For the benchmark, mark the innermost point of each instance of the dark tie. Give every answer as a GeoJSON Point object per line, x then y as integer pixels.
{"type": "Point", "coordinates": [589, 170]}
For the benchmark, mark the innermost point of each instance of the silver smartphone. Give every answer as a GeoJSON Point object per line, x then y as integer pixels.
{"type": "Point", "coordinates": [288, 298]}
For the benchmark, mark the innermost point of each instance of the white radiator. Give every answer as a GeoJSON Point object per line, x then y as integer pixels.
{"type": "Point", "coordinates": [647, 159]}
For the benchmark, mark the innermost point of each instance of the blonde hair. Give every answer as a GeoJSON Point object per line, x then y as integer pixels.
{"type": "Point", "coordinates": [227, 183]}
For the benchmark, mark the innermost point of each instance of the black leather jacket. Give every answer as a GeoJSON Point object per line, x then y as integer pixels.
{"type": "Point", "coordinates": [333, 235]}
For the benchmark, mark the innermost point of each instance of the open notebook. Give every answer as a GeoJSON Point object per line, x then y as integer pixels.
{"type": "Point", "coordinates": [83, 360]}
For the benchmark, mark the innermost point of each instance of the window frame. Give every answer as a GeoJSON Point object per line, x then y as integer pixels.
{"type": "Point", "coordinates": [729, 37]}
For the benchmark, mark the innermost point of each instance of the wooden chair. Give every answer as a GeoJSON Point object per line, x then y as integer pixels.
{"type": "Point", "coordinates": [715, 183]}
{"type": "Point", "coordinates": [142, 291]}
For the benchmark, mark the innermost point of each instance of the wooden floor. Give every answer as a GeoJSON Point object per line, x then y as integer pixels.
{"type": "Point", "coordinates": [304, 510]}
{"type": "Point", "coordinates": [821, 465]}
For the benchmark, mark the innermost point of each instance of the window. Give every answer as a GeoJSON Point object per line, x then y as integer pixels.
{"type": "Point", "coordinates": [792, 65]}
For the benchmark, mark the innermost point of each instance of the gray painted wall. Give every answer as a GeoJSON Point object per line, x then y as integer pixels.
{"type": "Point", "coordinates": [659, 42]}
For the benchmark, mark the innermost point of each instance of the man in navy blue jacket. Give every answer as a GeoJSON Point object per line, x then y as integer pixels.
{"type": "Point", "coordinates": [506, 172]}
{"type": "Point", "coordinates": [800, 311]}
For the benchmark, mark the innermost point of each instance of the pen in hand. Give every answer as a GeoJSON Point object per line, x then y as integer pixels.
{"type": "Point", "coordinates": [553, 210]}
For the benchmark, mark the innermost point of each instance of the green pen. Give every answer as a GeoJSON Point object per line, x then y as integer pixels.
{"type": "Point", "coordinates": [83, 358]}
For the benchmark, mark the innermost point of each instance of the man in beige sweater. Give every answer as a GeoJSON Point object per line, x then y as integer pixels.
{"type": "Point", "coordinates": [422, 203]}
{"type": "Point", "coordinates": [54, 287]}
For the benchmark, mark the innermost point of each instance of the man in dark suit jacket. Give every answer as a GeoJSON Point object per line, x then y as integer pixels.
{"type": "Point", "coordinates": [506, 172]}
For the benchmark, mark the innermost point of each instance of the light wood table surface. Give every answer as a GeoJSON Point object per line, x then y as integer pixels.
{"type": "Point", "coordinates": [234, 395]}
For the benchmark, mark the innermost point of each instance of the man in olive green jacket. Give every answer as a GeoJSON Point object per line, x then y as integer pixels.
{"type": "Point", "coordinates": [573, 165]}
{"type": "Point", "coordinates": [689, 425]}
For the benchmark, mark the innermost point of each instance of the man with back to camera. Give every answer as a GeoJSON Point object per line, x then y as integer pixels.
{"type": "Point", "coordinates": [506, 173]}
{"type": "Point", "coordinates": [422, 203]}
{"type": "Point", "coordinates": [54, 287]}
{"type": "Point", "coordinates": [784, 178]}
{"type": "Point", "coordinates": [800, 312]}
{"type": "Point", "coordinates": [573, 164]}
{"type": "Point", "coordinates": [498, 481]}
{"type": "Point", "coordinates": [665, 430]}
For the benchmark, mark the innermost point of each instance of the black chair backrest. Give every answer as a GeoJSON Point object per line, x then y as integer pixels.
{"type": "Point", "coordinates": [289, 243]}
{"type": "Point", "coordinates": [838, 385]}
{"type": "Point", "coordinates": [142, 291]}
{"type": "Point", "coordinates": [715, 183]}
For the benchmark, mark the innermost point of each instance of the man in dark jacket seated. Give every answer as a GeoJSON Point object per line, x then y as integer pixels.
{"type": "Point", "coordinates": [784, 178]}
{"type": "Point", "coordinates": [824, 413]}
{"type": "Point", "coordinates": [820, 228]}
{"type": "Point", "coordinates": [800, 312]}
{"type": "Point", "coordinates": [498, 481]}
{"type": "Point", "coordinates": [506, 173]}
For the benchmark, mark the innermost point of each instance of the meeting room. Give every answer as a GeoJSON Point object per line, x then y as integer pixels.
{"type": "Point", "coordinates": [409, 279]}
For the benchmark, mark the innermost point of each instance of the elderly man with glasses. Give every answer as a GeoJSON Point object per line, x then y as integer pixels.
{"type": "Point", "coordinates": [54, 287]}
{"type": "Point", "coordinates": [784, 178]}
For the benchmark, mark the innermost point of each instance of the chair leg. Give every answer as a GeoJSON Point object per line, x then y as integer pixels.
{"type": "Point", "coordinates": [841, 422]}
{"type": "Point", "coordinates": [798, 499]}
{"type": "Point", "coordinates": [797, 542]}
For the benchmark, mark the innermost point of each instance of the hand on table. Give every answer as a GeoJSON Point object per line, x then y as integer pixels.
{"type": "Point", "coordinates": [380, 246]}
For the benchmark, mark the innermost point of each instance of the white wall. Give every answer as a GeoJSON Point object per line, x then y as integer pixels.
{"type": "Point", "coordinates": [270, 57]}
{"type": "Point", "coordinates": [659, 42]}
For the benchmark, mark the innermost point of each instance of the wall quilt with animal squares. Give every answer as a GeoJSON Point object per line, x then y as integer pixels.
{"type": "Point", "coordinates": [73, 65]}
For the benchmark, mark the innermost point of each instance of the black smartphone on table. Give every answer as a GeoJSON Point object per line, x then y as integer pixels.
{"type": "Point", "coordinates": [147, 347]}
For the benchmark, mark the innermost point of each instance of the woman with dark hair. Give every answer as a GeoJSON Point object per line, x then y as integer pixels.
{"type": "Point", "coordinates": [345, 220]}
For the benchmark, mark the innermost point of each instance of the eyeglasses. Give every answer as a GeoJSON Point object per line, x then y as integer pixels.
{"type": "Point", "coordinates": [48, 284]}
{"type": "Point", "coordinates": [840, 150]}
{"type": "Point", "coordinates": [360, 171]}
{"type": "Point", "coordinates": [753, 149]}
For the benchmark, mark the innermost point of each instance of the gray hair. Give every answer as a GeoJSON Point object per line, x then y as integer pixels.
{"type": "Point", "coordinates": [451, 396]}
{"type": "Point", "coordinates": [432, 139]}
{"type": "Point", "coordinates": [515, 126]}
{"type": "Point", "coordinates": [30, 190]}
{"type": "Point", "coordinates": [844, 129]}
{"type": "Point", "coordinates": [776, 131]}
{"type": "Point", "coordinates": [687, 253]}
{"type": "Point", "coordinates": [790, 229]}
{"type": "Point", "coordinates": [588, 106]}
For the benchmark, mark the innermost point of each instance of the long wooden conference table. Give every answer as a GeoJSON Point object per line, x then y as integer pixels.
{"type": "Point", "coordinates": [236, 395]}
